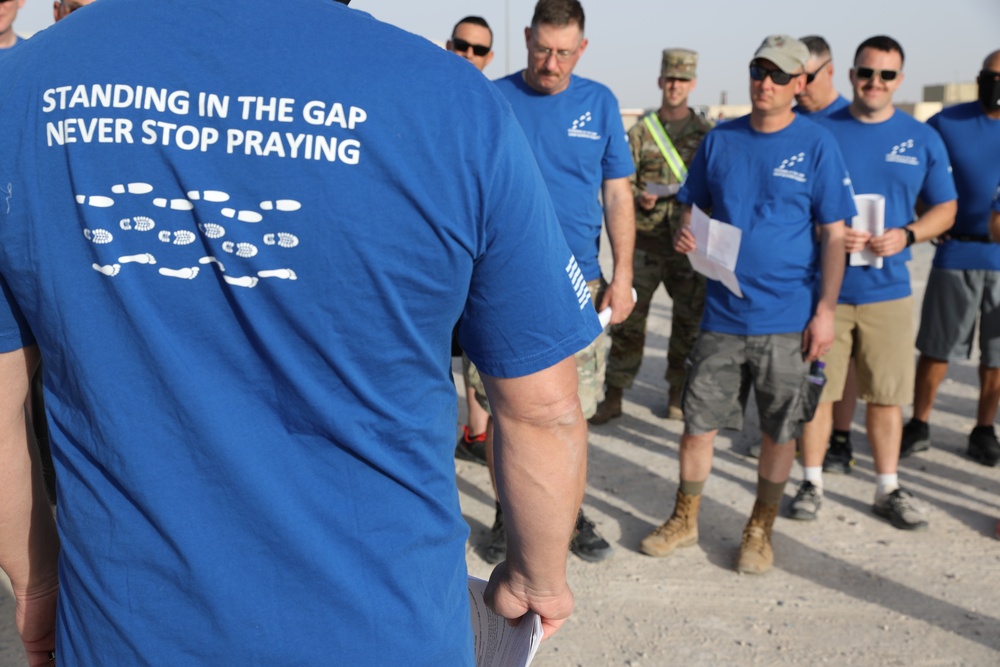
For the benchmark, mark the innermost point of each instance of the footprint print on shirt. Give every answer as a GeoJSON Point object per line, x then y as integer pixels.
{"type": "Point", "coordinates": [245, 250]}
{"type": "Point", "coordinates": [132, 189]}
{"type": "Point", "coordinates": [139, 223]}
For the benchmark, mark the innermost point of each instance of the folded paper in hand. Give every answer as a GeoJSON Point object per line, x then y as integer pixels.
{"type": "Point", "coordinates": [717, 245]}
{"type": "Point", "coordinates": [871, 219]}
{"type": "Point", "coordinates": [497, 644]}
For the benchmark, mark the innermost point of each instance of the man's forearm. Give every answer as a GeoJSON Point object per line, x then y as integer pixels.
{"type": "Point", "coordinates": [935, 221]}
{"type": "Point", "coordinates": [619, 217]}
{"type": "Point", "coordinates": [832, 261]}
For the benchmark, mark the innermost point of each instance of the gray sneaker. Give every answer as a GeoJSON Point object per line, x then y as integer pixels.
{"type": "Point", "coordinates": [902, 510]}
{"type": "Point", "coordinates": [806, 503]}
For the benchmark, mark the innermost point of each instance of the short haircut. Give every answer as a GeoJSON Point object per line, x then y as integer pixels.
{"type": "Point", "coordinates": [558, 13]}
{"type": "Point", "coordinates": [817, 45]}
{"type": "Point", "coordinates": [475, 20]}
{"type": "Point", "coordinates": [881, 43]}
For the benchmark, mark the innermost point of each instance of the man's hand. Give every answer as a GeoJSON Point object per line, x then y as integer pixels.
{"type": "Point", "coordinates": [684, 240]}
{"type": "Point", "coordinates": [646, 201]}
{"type": "Point", "coordinates": [855, 240]}
{"type": "Point", "coordinates": [817, 339]}
{"type": "Point", "coordinates": [36, 624]}
{"type": "Point", "coordinates": [512, 596]}
{"type": "Point", "coordinates": [618, 296]}
{"type": "Point", "coordinates": [892, 241]}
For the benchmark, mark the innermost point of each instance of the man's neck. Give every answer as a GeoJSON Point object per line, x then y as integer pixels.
{"type": "Point", "coordinates": [992, 114]}
{"type": "Point", "coordinates": [673, 114]}
{"type": "Point", "coordinates": [8, 39]}
{"type": "Point", "coordinates": [768, 122]}
{"type": "Point", "coordinates": [866, 116]}
{"type": "Point", "coordinates": [829, 100]}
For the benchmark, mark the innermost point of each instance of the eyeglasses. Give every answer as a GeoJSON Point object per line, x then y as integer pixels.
{"type": "Point", "coordinates": [462, 46]}
{"type": "Point", "coordinates": [868, 72]}
{"type": "Point", "coordinates": [758, 73]}
{"type": "Point", "coordinates": [562, 55]}
{"type": "Point", "coordinates": [811, 76]}
{"type": "Point", "coordinates": [989, 75]}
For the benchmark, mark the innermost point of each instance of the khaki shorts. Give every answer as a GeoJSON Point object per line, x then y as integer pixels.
{"type": "Point", "coordinates": [880, 338]}
{"type": "Point", "coordinates": [591, 364]}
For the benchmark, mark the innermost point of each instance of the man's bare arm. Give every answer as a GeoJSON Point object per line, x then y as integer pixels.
{"type": "Point", "coordinates": [934, 222]}
{"type": "Point", "coordinates": [818, 336]}
{"type": "Point", "coordinates": [619, 217]}
{"type": "Point", "coordinates": [29, 546]}
{"type": "Point", "coordinates": [540, 460]}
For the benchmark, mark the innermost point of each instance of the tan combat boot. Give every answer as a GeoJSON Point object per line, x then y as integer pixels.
{"type": "Point", "coordinates": [680, 530]}
{"type": "Point", "coordinates": [609, 408]}
{"type": "Point", "coordinates": [756, 554]}
{"type": "Point", "coordinates": [674, 410]}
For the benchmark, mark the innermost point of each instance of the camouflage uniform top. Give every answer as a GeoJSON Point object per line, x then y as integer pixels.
{"type": "Point", "coordinates": [651, 167]}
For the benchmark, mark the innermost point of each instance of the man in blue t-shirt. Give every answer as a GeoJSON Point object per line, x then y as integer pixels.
{"type": "Point", "coordinates": [774, 175]}
{"type": "Point", "coordinates": [244, 278]}
{"type": "Point", "coordinates": [964, 284]}
{"type": "Point", "coordinates": [897, 160]}
{"type": "Point", "coordinates": [575, 131]}
{"type": "Point", "coordinates": [819, 98]}
{"type": "Point", "coordinates": [8, 12]}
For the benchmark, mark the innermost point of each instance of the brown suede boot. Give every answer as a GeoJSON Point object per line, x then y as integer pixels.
{"type": "Point", "coordinates": [756, 554]}
{"type": "Point", "coordinates": [609, 408]}
{"type": "Point", "coordinates": [674, 410]}
{"type": "Point", "coordinates": [680, 530]}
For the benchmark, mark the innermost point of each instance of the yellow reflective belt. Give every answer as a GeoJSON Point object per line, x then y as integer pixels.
{"type": "Point", "coordinates": [670, 153]}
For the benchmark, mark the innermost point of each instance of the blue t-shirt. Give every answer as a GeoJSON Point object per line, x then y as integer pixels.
{"type": "Point", "coordinates": [774, 187]}
{"type": "Point", "coordinates": [840, 103]}
{"type": "Point", "coordinates": [579, 142]}
{"type": "Point", "coordinates": [973, 142]}
{"type": "Point", "coordinates": [901, 159]}
{"type": "Point", "coordinates": [243, 278]}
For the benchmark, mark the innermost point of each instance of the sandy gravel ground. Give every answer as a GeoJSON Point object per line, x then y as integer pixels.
{"type": "Point", "coordinates": [847, 589]}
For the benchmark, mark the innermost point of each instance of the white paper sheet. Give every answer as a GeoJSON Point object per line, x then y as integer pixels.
{"type": "Point", "coordinates": [497, 644]}
{"type": "Point", "coordinates": [717, 247]}
{"type": "Point", "coordinates": [660, 190]}
{"type": "Point", "coordinates": [871, 219]}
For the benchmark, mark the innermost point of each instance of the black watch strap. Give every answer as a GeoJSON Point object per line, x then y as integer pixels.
{"type": "Point", "coordinates": [911, 238]}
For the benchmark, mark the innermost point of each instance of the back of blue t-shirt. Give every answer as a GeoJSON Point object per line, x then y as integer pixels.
{"type": "Point", "coordinates": [840, 103]}
{"type": "Point", "coordinates": [901, 159]}
{"type": "Point", "coordinates": [973, 142]}
{"type": "Point", "coordinates": [243, 275]}
{"type": "Point", "coordinates": [775, 187]}
{"type": "Point", "coordinates": [579, 142]}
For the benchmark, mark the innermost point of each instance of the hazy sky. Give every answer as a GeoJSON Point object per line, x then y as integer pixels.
{"type": "Point", "coordinates": [945, 41]}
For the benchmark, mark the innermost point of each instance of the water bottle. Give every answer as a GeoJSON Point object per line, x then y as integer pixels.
{"type": "Point", "coordinates": [815, 380]}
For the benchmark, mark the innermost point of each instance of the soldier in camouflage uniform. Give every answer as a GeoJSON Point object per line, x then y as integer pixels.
{"type": "Point", "coordinates": [657, 219]}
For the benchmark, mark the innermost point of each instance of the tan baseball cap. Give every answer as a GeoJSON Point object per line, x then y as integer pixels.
{"type": "Point", "coordinates": [788, 53]}
{"type": "Point", "coordinates": [679, 64]}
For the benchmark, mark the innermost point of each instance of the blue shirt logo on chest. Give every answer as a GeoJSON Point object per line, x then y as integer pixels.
{"type": "Point", "coordinates": [787, 168]}
{"type": "Point", "coordinates": [899, 154]}
{"type": "Point", "coordinates": [577, 128]}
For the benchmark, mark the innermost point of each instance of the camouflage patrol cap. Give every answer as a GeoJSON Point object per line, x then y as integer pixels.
{"type": "Point", "coordinates": [785, 51]}
{"type": "Point", "coordinates": [679, 64]}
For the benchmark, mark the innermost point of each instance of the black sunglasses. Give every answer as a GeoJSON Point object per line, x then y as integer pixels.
{"type": "Point", "coordinates": [811, 76]}
{"type": "Point", "coordinates": [868, 72]}
{"type": "Point", "coordinates": [758, 73]}
{"type": "Point", "coordinates": [462, 46]}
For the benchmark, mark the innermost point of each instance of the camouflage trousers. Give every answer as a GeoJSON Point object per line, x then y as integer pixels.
{"type": "Point", "coordinates": [590, 365]}
{"type": "Point", "coordinates": [655, 262]}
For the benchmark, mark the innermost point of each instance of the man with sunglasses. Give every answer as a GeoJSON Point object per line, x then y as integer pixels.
{"type": "Point", "coordinates": [472, 39]}
{"type": "Point", "coordinates": [575, 130]}
{"type": "Point", "coordinates": [891, 154]}
{"type": "Point", "coordinates": [819, 97]}
{"type": "Point", "coordinates": [8, 12]}
{"type": "Point", "coordinates": [964, 283]}
{"type": "Point", "coordinates": [773, 175]}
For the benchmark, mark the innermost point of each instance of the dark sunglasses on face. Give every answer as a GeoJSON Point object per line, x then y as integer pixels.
{"type": "Point", "coordinates": [868, 72]}
{"type": "Point", "coordinates": [758, 73]}
{"type": "Point", "coordinates": [811, 76]}
{"type": "Point", "coordinates": [988, 75]}
{"type": "Point", "coordinates": [462, 46]}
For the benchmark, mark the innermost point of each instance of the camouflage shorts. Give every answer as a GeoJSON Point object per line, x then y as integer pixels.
{"type": "Point", "coordinates": [591, 363]}
{"type": "Point", "coordinates": [723, 367]}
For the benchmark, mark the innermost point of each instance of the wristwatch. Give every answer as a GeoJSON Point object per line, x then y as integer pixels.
{"type": "Point", "coordinates": [911, 238]}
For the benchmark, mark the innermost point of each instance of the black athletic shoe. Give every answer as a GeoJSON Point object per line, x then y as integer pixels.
{"type": "Point", "coordinates": [496, 550]}
{"type": "Point", "coordinates": [902, 510]}
{"type": "Point", "coordinates": [471, 449]}
{"type": "Point", "coordinates": [839, 457]}
{"type": "Point", "coordinates": [916, 438]}
{"type": "Point", "coordinates": [806, 503]}
{"type": "Point", "coordinates": [586, 543]}
{"type": "Point", "coordinates": [983, 445]}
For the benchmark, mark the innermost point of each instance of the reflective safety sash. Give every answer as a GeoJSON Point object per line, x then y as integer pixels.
{"type": "Point", "coordinates": [670, 154]}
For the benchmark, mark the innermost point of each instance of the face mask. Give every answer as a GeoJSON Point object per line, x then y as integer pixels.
{"type": "Point", "coordinates": [989, 90]}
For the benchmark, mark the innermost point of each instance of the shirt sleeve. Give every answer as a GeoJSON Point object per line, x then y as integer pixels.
{"type": "Point", "coordinates": [617, 160]}
{"type": "Point", "coordinates": [833, 195]}
{"type": "Point", "coordinates": [695, 190]}
{"type": "Point", "coordinates": [939, 185]}
{"type": "Point", "coordinates": [14, 331]}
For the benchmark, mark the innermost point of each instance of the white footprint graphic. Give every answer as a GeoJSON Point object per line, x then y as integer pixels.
{"type": "Point", "coordinates": [181, 237]}
{"type": "Point", "coordinates": [280, 205]}
{"type": "Point", "coordinates": [142, 258]}
{"type": "Point", "coordinates": [142, 223]}
{"type": "Point", "coordinates": [284, 274]}
{"type": "Point", "coordinates": [282, 239]}
{"type": "Point", "coordinates": [212, 230]}
{"type": "Point", "coordinates": [132, 189]}
{"type": "Point", "coordinates": [188, 273]}
{"type": "Point", "coordinates": [108, 270]}
{"type": "Point", "coordinates": [96, 201]}
{"type": "Point", "coordinates": [208, 195]}
{"type": "Point", "coordinates": [175, 204]}
{"type": "Point", "coordinates": [242, 216]}
{"type": "Point", "coordinates": [243, 281]}
{"type": "Point", "coordinates": [100, 236]}
{"type": "Point", "coordinates": [213, 260]}
{"type": "Point", "coordinates": [241, 249]}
